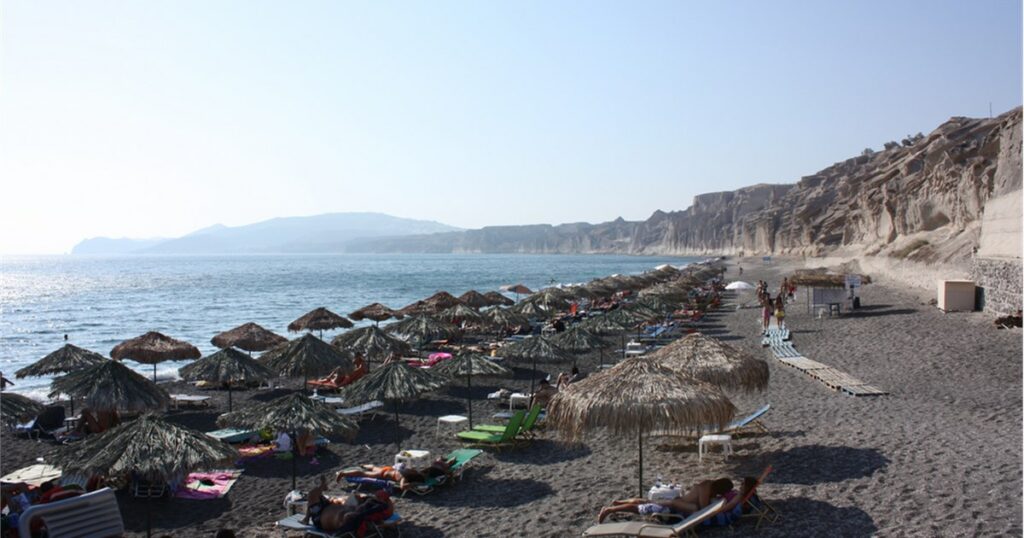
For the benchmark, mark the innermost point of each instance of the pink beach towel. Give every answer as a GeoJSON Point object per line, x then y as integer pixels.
{"type": "Point", "coordinates": [196, 490]}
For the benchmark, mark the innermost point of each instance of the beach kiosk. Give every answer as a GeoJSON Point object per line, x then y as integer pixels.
{"type": "Point", "coordinates": [829, 293]}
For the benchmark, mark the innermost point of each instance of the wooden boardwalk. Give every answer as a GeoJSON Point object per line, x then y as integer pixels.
{"type": "Point", "coordinates": [832, 378]}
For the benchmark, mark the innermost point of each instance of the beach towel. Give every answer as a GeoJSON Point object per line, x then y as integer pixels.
{"type": "Point", "coordinates": [249, 452]}
{"type": "Point", "coordinates": [195, 489]}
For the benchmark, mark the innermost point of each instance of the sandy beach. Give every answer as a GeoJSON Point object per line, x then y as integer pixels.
{"type": "Point", "coordinates": [940, 455]}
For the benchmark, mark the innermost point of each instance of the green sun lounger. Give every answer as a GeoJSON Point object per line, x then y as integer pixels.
{"type": "Point", "coordinates": [524, 429]}
{"type": "Point", "coordinates": [461, 456]}
{"type": "Point", "coordinates": [495, 439]}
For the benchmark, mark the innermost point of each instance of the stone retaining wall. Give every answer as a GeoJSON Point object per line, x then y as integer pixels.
{"type": "Point", "coordinates": [1001, 283]}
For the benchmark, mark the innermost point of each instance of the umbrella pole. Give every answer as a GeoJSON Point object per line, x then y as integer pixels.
{"type": "Point", "coordinates": [295, 455]}
{"type": "Point", "coordinates": [229, 396]}
{"type": "Point", "coordinates": [533, 377]}
{"type": "Point", "coordinates": [72, 398]}
{"type": "Point", "coordinates": [601, 364]}
{"type": "Point", "coordinates": [469, 398]}
{"type": "Point", "coordinates": [398, 444]}
{"type": "Point", "coordinates": [640, 447]}
{"type": "Point", "coordinates": [154, 372]}
{"type": "Point", "coordinates": [149, 516]}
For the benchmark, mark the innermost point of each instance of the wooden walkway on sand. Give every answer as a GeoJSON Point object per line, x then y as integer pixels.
{"type": "Point", "coordinates": [832, 378]}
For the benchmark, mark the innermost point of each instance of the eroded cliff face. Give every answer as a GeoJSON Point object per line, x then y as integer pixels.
{"type": "Point", "coordinates": [921, 200]}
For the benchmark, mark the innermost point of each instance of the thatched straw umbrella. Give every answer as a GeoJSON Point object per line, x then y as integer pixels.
{"type": "Point", "coordinates": [469, 365]}
{"type": "Point", "coordinates": [375, 312]}
{"type": "Point", "coordinates": [421, 329]}
{"type": "Point", "coordinates": [394, 382]}
{"type": "Point", "coordinates": [517, 289]}
{"type": "Point", "coordinates": [578, 340]}
{"type": "Point", "coordinates": [817, 278]}
{"type": "Point", "coordinates": [666, 291]}
{"type": "Point", "coordinates": [474, 299]}
{"type": "Point", "coordinates": [657, 303]}
{"type": "Point", "coordinates": [551, 298]}
{"type": "Point", "coordinates": [463, 316]}
{"type": "Point", "coordinates": [441, 300]}
{"type": "Point", "coordinates": [505, 317]}
{"type": "Point", "coordinates": [530, 309]}
{"type": "Point", "coordinates": [605, 325]}
{"type": "Point", "coordinates": [417, 308]}
{"type": "Point", "coordinates": [497, 299]}
{"type": "Point", "coordinates": [148, 447]}
{"type": "Point", "coordinates": [600, 288]}
{"type": "Point", "coordinates": [633, 398]}
{"type": "Point", "coordinates": [153, 348]}
{"type": "Point", "coordinates": [535, 348]}
{"type": "Point", "coordinates": [66, 359]}
{"type": "Point", "coordinates": [292, 413]}
{"type": "Point", "coordinates": [372, 342]}
{"type": "Point", "coordinates": [626, 317]}
{"type": "Point", "coordinates": [15, 408]}
{"type": "Point", "coordinates": [582, 292]}
{"type": "Point", "coordinates": [226, 366]}
{"type": "Point", "coordinates": [319, 319]}
{"type": "Point", "coordinates": [248, 337]}
{"type": "Point", "coordinates": [711, 360]}
{"type": "Point", "coordinates": [306, 356]}
{"type": "Point", "coordinates": [110, 386]}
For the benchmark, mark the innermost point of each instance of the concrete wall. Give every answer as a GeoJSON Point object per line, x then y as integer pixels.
{"type": "Point", "coordinates": [1001, 227]}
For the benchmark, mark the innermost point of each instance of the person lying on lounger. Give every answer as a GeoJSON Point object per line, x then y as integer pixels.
{"type": "Point", "coordinates": [693, 500]}
{"type": "Point", "coordinates": [346, 513]}
{"type": "Point", "coordinates": [401, 473]}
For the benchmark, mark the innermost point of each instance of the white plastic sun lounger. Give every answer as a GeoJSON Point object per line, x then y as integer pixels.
{"type": "Point", "coordinates": [646, 529]}
{"type": "Point", "coordinates": [361, 409]}
{"type": "Point", "coordinates": [92, 514]}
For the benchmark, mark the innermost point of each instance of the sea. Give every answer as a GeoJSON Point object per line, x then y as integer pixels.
{"type": "Point", "coordinates": [99, 302]}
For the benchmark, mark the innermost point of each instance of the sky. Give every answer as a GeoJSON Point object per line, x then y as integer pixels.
{"type": "Point", "coordinates": [154, 119]}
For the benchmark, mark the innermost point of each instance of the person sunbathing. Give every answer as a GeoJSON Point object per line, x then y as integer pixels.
{"type": "Point", "coordinates": [544, 394]}
{"type": "Point", "coordinates": [693, 500]}
{"type": "Point", "coordinates": [440, 467]}
{"type": "Point", "coordinates": [346, 513]}
{"type": "Point", "coordinates": [404, 475]}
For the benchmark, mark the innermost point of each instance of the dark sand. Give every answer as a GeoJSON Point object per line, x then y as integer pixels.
{"type": "Point", "coordinates": [939, 456]}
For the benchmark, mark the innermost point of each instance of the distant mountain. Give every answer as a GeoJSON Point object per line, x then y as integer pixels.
{"type": "Point", "coordinates": [326, 233]}
{"type": "Point", "coordinates": [107, 245]}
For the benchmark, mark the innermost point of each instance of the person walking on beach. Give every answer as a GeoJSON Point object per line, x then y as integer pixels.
{"type": "Point", "coordinates": [766, 314]}
{"type": "Point", "coordinates": [780, 311]}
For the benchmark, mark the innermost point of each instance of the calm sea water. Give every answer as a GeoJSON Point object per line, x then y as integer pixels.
{"type": "Point", "coordinates": [101, 301]}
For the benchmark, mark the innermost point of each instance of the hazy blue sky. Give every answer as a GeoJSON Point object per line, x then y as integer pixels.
{"type": "Point", "coordinates": [150, 119]}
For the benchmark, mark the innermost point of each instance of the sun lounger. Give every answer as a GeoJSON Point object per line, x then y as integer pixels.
{"type": "Point", "coordinates": [525, 429]}
{"type": "Point", "coordinates": [233, 435]}
{"type": "Point", "coordinates": [752, 419]}
{"type": "Point", "coordinates": [495, 439]}
{"type": "Point", "coordinates": [758, 507]}
{"type": "Point", "coordinates": [461, 456]}
{"type": "Point", "coordinates": [189, 399]}
{"type": "Point", "coordinates": [644, 529]}
{"type": "Point", "coordinates": [361, 409]}
{"type": "Point", "coordinates": [50, 422]}
{"type": "Point", "coordinates": [92, 514]}
{"type": "Point", "coordinates": [294, 523]}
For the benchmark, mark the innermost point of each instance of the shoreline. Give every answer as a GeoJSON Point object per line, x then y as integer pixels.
{"type": "Point", "coordinates": [920, 461]}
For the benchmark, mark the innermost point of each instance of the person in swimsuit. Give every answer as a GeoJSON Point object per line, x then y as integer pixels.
{"type": "Point", "coordinates": [402, 474]}
{"type": "Point", "coordinates": [346, 513]}
{"type": "Point", "coordinates": [693, 500]}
